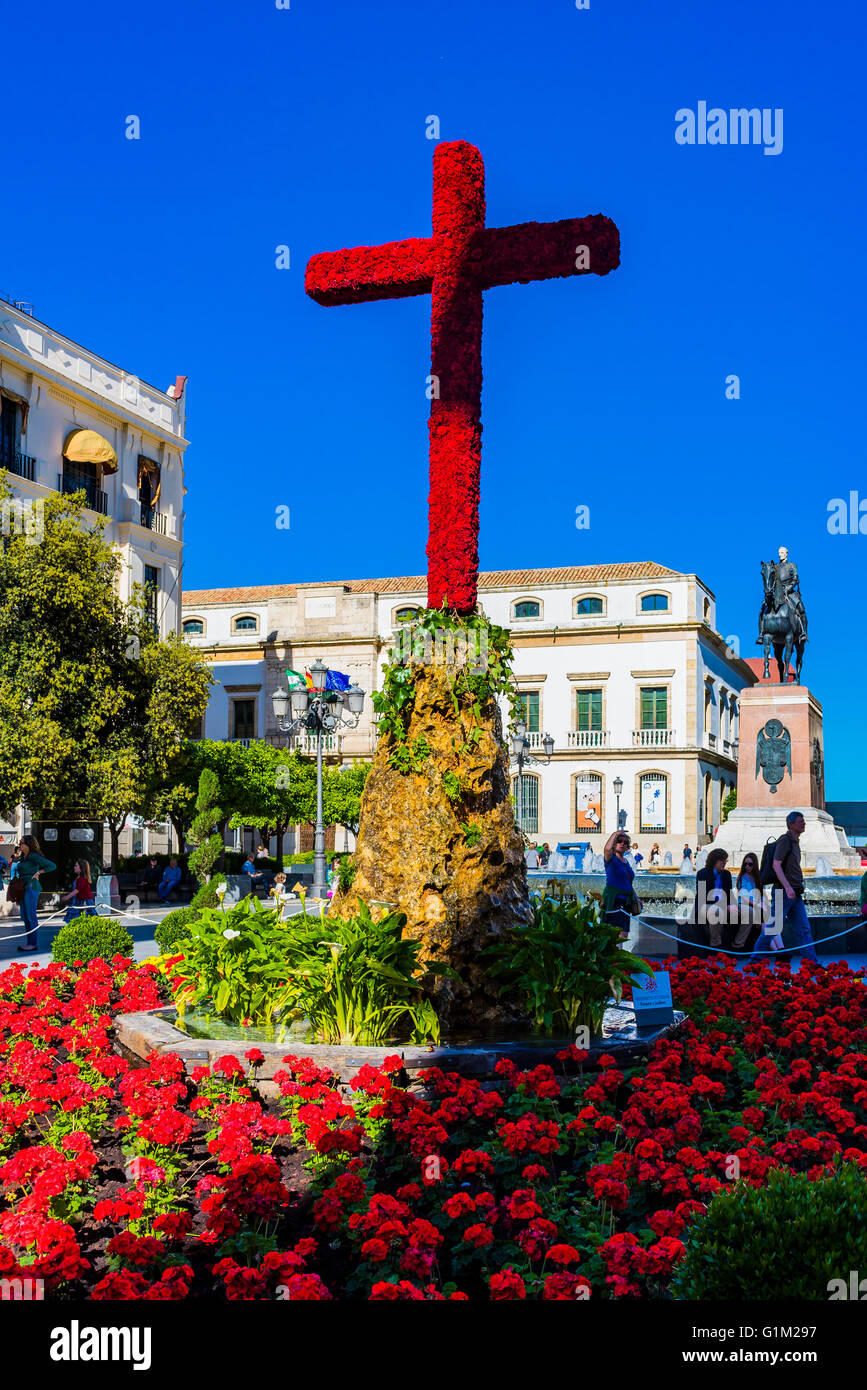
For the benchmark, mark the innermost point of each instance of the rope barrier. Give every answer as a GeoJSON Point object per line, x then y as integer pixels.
{"type": "Point", "coordinates": [722, 951]}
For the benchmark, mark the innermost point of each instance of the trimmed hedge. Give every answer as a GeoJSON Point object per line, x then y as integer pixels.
{"type": "Point", "coordinates": [790, 1239]}
{"type": "Point", "coordinates": [91, 938]}
{"type": "Point", "coordinates": [174, 929]}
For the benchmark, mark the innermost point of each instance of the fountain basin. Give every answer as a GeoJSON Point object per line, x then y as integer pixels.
{"type": "Point", "coordinates": [156, 1030]}
{"type": "Point", "coordinates": [832, 902]}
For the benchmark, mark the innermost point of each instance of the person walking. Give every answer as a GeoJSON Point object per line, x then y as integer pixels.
{"type": "Point", "coordinates": [619, 901]}
{"type": "Point", "coordinates": [80, 899]}
{"type": "Point", "coordinates": [713, 886]}
{"type": "Point", "coordinates": [654, 855]}
{"type": "Point", "coordinates": [788, 872]}
{"type": "Point", "coordinates": [31, 865]}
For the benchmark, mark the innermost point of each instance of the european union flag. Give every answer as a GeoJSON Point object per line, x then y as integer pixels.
{"type": "Point", "coordinates": [335, 680]}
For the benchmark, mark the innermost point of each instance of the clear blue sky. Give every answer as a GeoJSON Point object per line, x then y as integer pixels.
{"type": "Point", "coordinates": [306, 126]}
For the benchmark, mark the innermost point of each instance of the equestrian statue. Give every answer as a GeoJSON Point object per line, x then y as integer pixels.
{"type": "Point", "coordinates": [782, 617]}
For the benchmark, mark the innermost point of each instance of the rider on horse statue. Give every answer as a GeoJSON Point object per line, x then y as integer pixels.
{"type": "Point", "coordinates": [782, 616]}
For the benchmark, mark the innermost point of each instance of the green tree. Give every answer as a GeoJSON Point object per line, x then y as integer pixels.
{"type": "Point", "coordinates": [277, 790]}
{"type": "Point", "coordinates": [341, 795]}
{"type": "Point", "coordinates": [728, 805]}
{"type": "Point", "coordinates": [204, 832]}
{"type": "Point", "coordinates": [94, 708]}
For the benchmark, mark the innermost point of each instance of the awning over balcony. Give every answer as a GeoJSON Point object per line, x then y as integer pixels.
{"type": "Point", "coordinates": [86, 446]}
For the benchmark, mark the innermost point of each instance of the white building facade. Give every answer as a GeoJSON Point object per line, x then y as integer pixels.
{"type": "Point", "coordinates": [71, 421]}
{"type": "Point", "coordinates": [622, 665]}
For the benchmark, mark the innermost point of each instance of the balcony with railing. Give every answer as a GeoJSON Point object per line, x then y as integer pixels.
{"type": "Point", "coordinates": [653, 738]}
{"type": "Point", "coordinates": [72, 480]}
{"type": "Point", "coordinates": [22, 465]}
{"type": "Point", "coordinates": [153, 519]}
{"type": "Point", "coordinates": [306, 744]}
{"type": "Point", "coordinates": [587, 738]}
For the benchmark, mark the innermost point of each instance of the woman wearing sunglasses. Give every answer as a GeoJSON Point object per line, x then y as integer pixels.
{"type": "Point", "coordinates": [619, 901]}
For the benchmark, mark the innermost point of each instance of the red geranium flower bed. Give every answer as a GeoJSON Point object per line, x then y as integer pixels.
{"type": "Point", "coordinates": [142, 1182]}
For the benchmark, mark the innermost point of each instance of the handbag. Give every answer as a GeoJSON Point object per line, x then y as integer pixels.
{"type": "Point", "coordinates": [16, 890]}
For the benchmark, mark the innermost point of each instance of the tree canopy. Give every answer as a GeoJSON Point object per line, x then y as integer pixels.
{"type": "Point", "coordinates": [95, 709]}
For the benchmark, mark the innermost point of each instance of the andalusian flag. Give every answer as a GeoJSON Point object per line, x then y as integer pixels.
{"type": "Point", "coordinates": [296, 678]}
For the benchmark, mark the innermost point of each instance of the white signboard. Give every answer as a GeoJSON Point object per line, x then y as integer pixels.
{"type": "Point", "coordinates": [653, 809]}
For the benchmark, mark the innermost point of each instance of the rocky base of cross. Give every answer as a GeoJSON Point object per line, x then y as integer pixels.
{"type": "Point", "coordinates": [441, 844]}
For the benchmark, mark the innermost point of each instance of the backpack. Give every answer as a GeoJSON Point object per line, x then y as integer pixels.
{"type": "Point", "coordinates": [766, 868]}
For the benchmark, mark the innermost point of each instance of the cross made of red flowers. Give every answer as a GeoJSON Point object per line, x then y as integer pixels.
{"type": "Point", "coordinates": [454, 266]}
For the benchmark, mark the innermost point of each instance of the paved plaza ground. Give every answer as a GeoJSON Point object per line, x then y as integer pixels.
{"type": "Point", "coordinates": [140, 926]}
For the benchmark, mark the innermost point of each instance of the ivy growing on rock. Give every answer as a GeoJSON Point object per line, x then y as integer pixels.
{"type": "Point", "coordinates": [475, 656]}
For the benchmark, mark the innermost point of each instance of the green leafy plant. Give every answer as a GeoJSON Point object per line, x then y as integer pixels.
{"type": "Point", "coordinates": [361, 983]}
{"type": "Point", "coordinates": [788, 1239]}
{"type": "Point", "coordinates": [564, 966]}
{"type": "Point", "coordinates": [472, 833]}
{"type": "Point", "coordinates": [236, 962]}
{"type": "Point", "coordinates": [346, 870]}
{"type": "Point", "coordinates": [452, 785]}
{"type": "Point", "coordinates": [91, 938]}
{"type": "Point", "coordinates": [472, 686]}
{"type": "Point", "coordinates": [175, 928]}
{"type": "Point", "coordinates": [410, 757]}
{"type": "Point", "coordinates": [206, 896]}
{"type": "Point", "coordinates": [356, 980]}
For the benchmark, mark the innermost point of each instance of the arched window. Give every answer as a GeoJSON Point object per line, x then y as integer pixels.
{"type": "Point", "coordinates": [403, 615]}
{"type": "Point", "coordinates": [591, 604]}
{"type": "Point", "coordinates": [246, 623]}
{"type": "Point", "coordinates": [707, 610]}
{"type": "Point", "coordinates": [527, 608]}
{"type": "Point", "coordinates": [588, 803]}
{"type": "Point", "coordinates": [653, 803]}
{"type": "Point", "coordinates": [654, 603]}
{"type": "Point", "coordinates": [525, 790]}
{"type": "Point", "coordinates": [193, 626]}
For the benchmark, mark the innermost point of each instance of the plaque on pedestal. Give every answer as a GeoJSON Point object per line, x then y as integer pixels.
{"type": "Point", "coordinates": [781, 769]}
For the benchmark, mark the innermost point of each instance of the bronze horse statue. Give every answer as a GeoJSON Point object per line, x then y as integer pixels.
{"type": "Point", "coordinates": [780, 626]}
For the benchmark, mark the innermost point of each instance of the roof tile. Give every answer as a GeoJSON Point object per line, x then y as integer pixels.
{"type": "Point", "coordinates": [417, 584]}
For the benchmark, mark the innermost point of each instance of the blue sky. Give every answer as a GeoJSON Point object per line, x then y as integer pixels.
{"type": "Point", "coordinates": [306, 127]}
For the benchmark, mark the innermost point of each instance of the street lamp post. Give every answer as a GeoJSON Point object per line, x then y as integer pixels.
{"type": "Point", "coordinates": [520, 744]}
{"type": "Point", "coordinates": [320, 711]}
{"type": "Point", "coordinates": [618, 788]}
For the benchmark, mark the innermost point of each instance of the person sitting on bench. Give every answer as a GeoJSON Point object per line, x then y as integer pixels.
{"type": "Point", "coordinates": [170, 880]}
{"type": "Point", "coordinates": [263, 876]}
{"type": "Point", "coordinates": [149, 879]}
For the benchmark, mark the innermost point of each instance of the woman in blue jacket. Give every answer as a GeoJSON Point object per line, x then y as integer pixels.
{"type": "Point", "coordinates": [30, 866]}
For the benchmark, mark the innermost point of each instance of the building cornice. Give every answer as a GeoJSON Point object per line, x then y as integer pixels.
{"type": "Point", "coordinates": [61, 388]}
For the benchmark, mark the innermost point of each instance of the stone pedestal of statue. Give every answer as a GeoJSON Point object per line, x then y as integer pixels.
{"type": "Point", "coordinates": [781, 769]}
